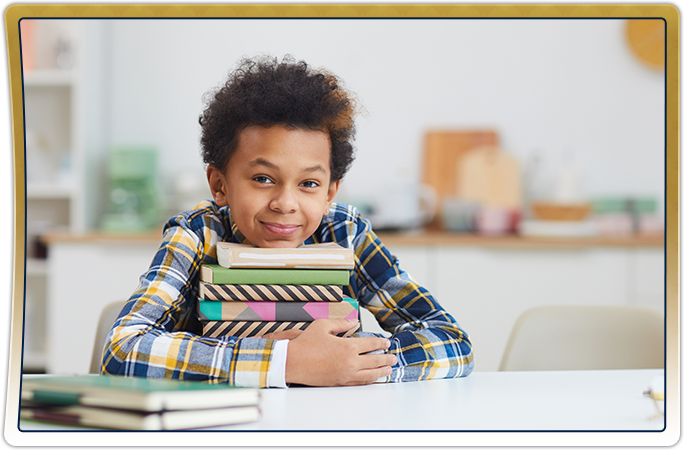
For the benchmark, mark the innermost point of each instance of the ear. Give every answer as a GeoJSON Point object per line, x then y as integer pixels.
{"type": "Point", "coordinates": [217, 185]}
{"type": "Point", "coordinates": [332, 191]}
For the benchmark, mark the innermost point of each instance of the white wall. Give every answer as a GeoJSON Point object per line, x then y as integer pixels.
{"type": "Point", "coordinates": [548, 86]}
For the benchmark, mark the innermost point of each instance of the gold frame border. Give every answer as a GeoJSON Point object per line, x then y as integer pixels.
{"type": "Point", "coordinates": [667, 12]}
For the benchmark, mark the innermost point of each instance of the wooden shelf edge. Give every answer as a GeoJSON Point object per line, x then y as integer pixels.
{"type": "Point", "coordinates": [49, 191]}
{"type": "Point", "coordinates": [48, 78]}
{"type": "Point", "coordinates": [518, 242]}
{"type": "Point", "coordinates": [152, 236]}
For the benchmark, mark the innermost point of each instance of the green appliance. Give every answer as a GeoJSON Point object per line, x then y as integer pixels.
{"type": "Point", "coordinates": [133, 190]}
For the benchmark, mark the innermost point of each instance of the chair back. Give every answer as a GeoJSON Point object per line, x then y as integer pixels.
{"type": "Point", "coordinates": [586, 338]}
{"type": "Point", "coordinates": [104, 325]}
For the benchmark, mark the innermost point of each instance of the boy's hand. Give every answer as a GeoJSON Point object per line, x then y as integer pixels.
{"type": "Point", "coordinates": [319, 358]}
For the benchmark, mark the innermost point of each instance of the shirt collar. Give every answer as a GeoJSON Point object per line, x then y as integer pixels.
{"type": "Point", "coordinates": [236, 234]}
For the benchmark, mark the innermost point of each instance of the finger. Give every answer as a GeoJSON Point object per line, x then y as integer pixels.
{"type": "Point", "coordinates": [370, 344]}
{"type": "Point", "coordinates": [358, 383]}
{"type": "Point", "coordinates": [370, 375]}
{"type": "Point", "coordinates": [374, 361]}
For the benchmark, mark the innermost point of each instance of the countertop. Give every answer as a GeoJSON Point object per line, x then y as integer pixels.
{"type": "Point", "coordinates": [412, 238]}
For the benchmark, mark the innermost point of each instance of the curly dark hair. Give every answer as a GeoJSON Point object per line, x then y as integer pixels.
{"type": "Point", "coordinates": [265, 92]}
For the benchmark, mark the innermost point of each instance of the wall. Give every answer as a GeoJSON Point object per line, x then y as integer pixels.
{"type": "Point", "coordinates": [556, 88]}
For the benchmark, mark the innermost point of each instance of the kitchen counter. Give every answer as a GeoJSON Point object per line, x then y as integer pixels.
{"type": "Point", "coordinates": [442, 238]}
{"type": "Point", "coordinates": [472, 276]}
{"type": "Point", "coordinates": [413, 238]}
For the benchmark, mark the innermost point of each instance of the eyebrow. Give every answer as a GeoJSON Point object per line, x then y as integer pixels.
{"type": "Point", "coordinates": [270, 165]}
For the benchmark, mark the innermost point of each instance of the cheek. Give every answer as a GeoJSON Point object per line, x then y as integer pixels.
{"type": "Point", "coordinates": [243, 205]}
{"type": "Point", "coordinates": [314, 208]}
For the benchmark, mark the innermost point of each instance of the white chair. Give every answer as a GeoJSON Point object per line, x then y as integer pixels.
{"type": "Point", "coordinates": [586, 338]}
{"type": "Point", "coordinates": [104, 325]}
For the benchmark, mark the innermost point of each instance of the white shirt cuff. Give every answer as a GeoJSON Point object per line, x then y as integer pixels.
{"type": "Point", "coordinates": [276, 371]}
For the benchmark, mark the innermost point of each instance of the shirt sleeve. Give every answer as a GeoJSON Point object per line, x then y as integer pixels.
{"type": "Point", "coordinates": [426, 339]}
{"type": "Point", "coordinates": [151, 336]}
{"type": "Point", "coordinates": [276, 374]}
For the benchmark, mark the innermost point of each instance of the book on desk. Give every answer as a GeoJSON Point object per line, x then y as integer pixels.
{"type": "Point", "coordinates": [133, 403]}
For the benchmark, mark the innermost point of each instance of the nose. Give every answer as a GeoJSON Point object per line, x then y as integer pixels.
{"type": "Point", "coordinates": [284, 201]}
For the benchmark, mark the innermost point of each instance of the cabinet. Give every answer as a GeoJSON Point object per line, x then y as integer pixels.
{"type": "Point", "coordinates": [52, 151]}
{"type": "Point", "coordinates": [485, 285]}
{"type": "Point", "coordinates": [60, 142]}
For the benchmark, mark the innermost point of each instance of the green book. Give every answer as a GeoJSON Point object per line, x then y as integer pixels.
{"type": "Point", "coordinates": [133, 393]}
{"type": "Point", "coordinates": [213, 273]}
{"type": "Point", "coordinates": [124, 419]}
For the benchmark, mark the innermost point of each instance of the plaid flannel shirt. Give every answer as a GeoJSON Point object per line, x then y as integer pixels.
{"type": "Point", "coordinates": [158, 333]}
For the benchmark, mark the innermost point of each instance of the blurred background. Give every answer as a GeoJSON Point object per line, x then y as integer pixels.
{"type": "Point", "coordinates": [507, 163]}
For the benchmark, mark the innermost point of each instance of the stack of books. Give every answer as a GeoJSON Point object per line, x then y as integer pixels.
{"type": "Point", "coordinates": [130, 403]}
{"type": "Point", "coordinates": [253, 291]}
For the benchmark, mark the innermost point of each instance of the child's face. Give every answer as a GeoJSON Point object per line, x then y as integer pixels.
{"type": "Point", "coordinates": [277, 183]}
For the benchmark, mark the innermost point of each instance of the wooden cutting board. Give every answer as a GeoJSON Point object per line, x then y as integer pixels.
{"type": "Point", "coordinates": [490, 177]}
{"type": "Point", "coordinates": [442, 153]}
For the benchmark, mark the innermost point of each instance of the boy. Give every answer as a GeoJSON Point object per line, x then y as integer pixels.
{"type": "Point", "coordinates": [276, 142]}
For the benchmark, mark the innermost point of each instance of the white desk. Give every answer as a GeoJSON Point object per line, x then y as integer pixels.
{"type": "Point", "coordinates": [502, 401]}
{"type": "Point", "coordinates": [484, 401]}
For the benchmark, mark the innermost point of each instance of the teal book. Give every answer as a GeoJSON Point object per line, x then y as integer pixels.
{"type": "Point", "coordinates": [278, 311]}
{"type": "Point", "coordinates": [215, 274]}
{"type": "Point", "coordinates": [133, 393]}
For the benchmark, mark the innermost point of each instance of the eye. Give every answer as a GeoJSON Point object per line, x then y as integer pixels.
{"type": "Point", "coordinates": [262, 179]}
{"type": "Point", "coordinates": [310, 184]}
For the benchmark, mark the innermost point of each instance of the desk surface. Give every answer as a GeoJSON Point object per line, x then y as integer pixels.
{"type": "Point", "coordinates": [603, 400]}
{"type": "Point", "coordinates": [570, 400]}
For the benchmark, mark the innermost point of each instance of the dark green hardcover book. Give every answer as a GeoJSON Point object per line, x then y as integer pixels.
{"type": "Point", "coordinates": [142, 394]}
{"type": "Point", "coordinates": [213, 273]}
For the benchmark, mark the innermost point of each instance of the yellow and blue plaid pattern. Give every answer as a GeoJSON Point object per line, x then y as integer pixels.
{"type": "Point", "coordinates": [158, 334]}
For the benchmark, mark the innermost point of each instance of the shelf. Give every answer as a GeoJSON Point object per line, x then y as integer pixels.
{"type": "Point", "coordinates": [48, 191]}
{"type": "Point", "coordinates": [48, 78]}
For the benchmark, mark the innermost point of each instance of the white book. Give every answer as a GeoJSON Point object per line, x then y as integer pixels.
{"type": "Point", "coordinates": [327, 255]}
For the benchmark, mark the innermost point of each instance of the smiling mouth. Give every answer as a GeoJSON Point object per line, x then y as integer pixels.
{"type": "Point", "coordinates": [279, 229]}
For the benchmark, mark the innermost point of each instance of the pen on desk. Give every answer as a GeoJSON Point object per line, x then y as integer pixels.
{"type": "Point", "coordinates": [656, 391]}
{"type": "Point", "coordinates": [657, 396]}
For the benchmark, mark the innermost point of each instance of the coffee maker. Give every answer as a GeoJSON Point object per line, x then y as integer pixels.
{"type": "Point", "coordinates": [133, 193]}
